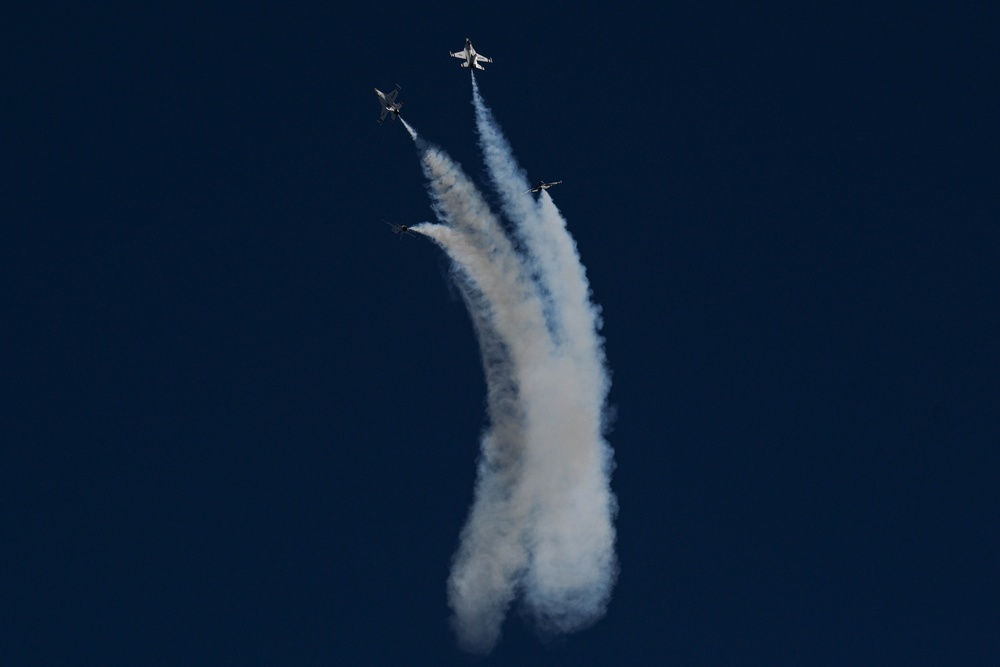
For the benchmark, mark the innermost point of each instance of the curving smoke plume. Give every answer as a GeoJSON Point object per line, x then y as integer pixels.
{"type": "Point", "coordinates": [541, 525]}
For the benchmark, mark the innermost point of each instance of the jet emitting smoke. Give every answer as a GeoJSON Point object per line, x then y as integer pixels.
{"type": "Point", "coordinates": [541, 520]}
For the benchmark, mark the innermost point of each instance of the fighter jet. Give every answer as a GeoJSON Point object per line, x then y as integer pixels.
{"type": "Point", "coordinates": [389, 104]}
{"type": "Point", "coordinates": [471, 58]}
{"type": "Point", "coordinates": [399, 230]}
{"type": "Point", "coordinates": [542, 185]}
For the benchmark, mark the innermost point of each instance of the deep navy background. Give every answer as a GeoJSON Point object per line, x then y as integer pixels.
{"type": "Point", "coordinates": [241, 420]}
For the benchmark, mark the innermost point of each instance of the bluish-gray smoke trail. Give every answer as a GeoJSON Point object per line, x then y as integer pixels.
{"type": "Point", "coordinates": [413, 133]}
{"type": "Point", "coordinates": [541, 521]}
{"type": "Point", "coordinates": [573, 565]}
{"type": "Point", "coordinates": [492, 556]}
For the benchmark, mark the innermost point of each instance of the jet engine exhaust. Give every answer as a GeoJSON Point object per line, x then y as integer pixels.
{"type": "Point", "coordinates": [413, 133]}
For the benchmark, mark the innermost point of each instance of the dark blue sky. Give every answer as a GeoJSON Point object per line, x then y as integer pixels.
{"type": "Point", "coordinates": [242, 421]}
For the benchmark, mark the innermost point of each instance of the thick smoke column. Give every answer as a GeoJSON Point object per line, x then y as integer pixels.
{"type": "Point", "coordinates": [505, 307]}
{"type": "Point", "coordinates": [541, 521]}
{"type": "Point", "coordinates": [573, 564]}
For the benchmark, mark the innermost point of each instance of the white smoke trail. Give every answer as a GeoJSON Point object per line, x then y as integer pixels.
{"type": "Point", "coordinates": [541, 520]}
{"type": "Point", "coordinates": [492, 555]}
{"type": "Point", "coordinates": [505, 307]}
{"type": "Point", "coordinates": [413, 133]}
{"type": "Point", "coordinates": [573, 564]}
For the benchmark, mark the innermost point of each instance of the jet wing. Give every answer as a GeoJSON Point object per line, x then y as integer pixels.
{"type": "Point", "coordinates": [390, 98]}
{"type": "Point", "coordinates": [483, 59]}
{"type": "Point", "coordinates": [458, 54]}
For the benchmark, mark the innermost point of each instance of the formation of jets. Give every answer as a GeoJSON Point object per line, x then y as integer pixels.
{"type": "Point", "coordinates": [470, 58]}
{"type": "Point", "coordinates": [542, 185]}
{"type": "Point", "coordinates": [388, 100]}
